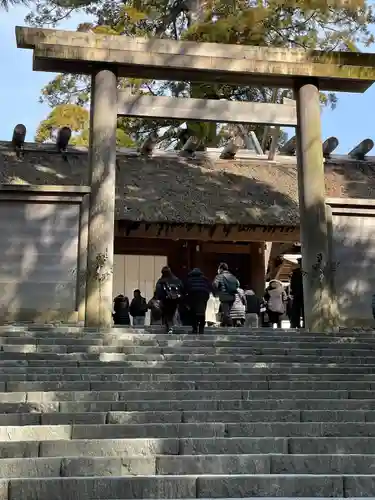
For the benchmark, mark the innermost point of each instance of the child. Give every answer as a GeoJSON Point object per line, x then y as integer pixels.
{"type": "Point", "coordinates": [237, 313]}
{"type": "Point", "coordinates": [154, 306]}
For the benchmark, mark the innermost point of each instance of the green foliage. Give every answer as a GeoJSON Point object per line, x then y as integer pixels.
{"type": "Point", "coordinates": [6, 4]}
{"type": "Point", "coordinates": [311, 24]}
{"type": "Point", "coordinates": [77, 119]}
{"type": "Point", "coordinates": [64, 115]}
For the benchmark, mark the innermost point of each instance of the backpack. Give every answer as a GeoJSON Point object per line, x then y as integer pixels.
{"type": "Point", "coordinates": [172, 291]}
{"type": "Point", "coordinates": [230, 284]}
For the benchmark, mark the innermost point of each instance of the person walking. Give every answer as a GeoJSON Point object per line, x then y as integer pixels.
{"type": "Point", "coordinates": [169, 291]}
{"type": "Point", "coordinates": [275, 298]}
{"type": "Point", "coordinates": [225, 287]}
{"type": "Point", "coordinates": [154, 305]}
{"type": "Point", "coordinates": [121, 311]}
{"type": "Point", "coordinates": [198, 289]}
{"type": "Point", "coordinates": [253, 304]}
{"type": "Point", "coordinates": [138, 308]}
{"type": "Point", "coordinates": [237, 313]}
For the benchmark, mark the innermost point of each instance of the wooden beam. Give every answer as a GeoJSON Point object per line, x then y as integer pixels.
{"type": "Point", "coordinates": [60, 51]}
{"type": "Point", "coordinates": [148, 106]}
{"type": "Point", "coordinates": [162, 66]}
{"type": "Point", "coordinates": [29, 38]}
{"type": "Point", "coordinates": [204, 233]}
{"type": "Point", "coordinates": [208, 247]}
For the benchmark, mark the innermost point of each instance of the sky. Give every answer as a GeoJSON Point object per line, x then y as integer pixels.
{"type": "Point", "coordinates": [352, 121]}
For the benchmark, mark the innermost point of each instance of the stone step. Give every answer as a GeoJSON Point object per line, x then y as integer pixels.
{"type": "Point", "coordinates": [157, 330]}
{"type": "Point", "coordinates": [181, 430]}
{"type": "Point", "coordinates": [67, 366]}
{"type": "Point", "coordinates": [181, 367]}
{"type": "Point", "coordinates": [185, 351]}
{"type": "Point", "coordinates": [59, 396]}
{"type": "Point", "coordinates": [363, 381]}
{"type": "Point", "coordinates": [230, 334]}
{"type": "Point", "coordinates": [224, 405]}
{"type": "Point", "coordinates": [124, 417]}
{"type": "Point", "coordinates": [191, 341]}
{"type": "Point", "coordinates": [117, 431]}
{"type": "Point", "coordinates": [262, 464]}
{"type": "Point", "coordinates": [76, 329]}
{"type": "Point", "coordinates": [202, 385]}
{"type": "Point", "coordinates": [188, 405]}
{"type": "Point", "coordinates": [156, 395]}
{"type": "Point", "coordinates": [203, 486]}
{"type": "Point", "coordinates": [67, 386]}
{"type": "Point", "coordinates": [31, 376]}
{"type": "Point", "coordinates": [260, 371]}
{"type": "Point", "coordinates": [135, 337]}
{"type": "Point", "coordinates": [186, 465]}
{"type": "Point", "coordinates": [175, 359]}
{"type": "Point", "coordinates": [148, 447]}
{"type": "Point", "coordinates": [188, 446]}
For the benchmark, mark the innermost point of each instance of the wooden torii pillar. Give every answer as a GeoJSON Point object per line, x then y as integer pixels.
{"type": "Point", "coordinates": [313, 219]}
{"type": "Point", "coordinates": [101, 224]}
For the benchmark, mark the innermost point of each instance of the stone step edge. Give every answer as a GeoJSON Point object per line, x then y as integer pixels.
{"type": "Point", "coordinates": [241, 395]}
{"type": "Point", "coordinates": [209, 402]}
{"type": "Point", "coordinates": [189, 486]}
{"type": "Point", "coordinates": [183, 414]}
{"type": "Point", "coordinates": [341, 456]}
{"type": "Point", "coordinates": [68, 429]}
{"type": "Point", "coordinates": [65, 466]}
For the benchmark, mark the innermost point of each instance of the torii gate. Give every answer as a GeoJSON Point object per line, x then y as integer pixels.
{"type": "Point", "coordinates": [108, 57]}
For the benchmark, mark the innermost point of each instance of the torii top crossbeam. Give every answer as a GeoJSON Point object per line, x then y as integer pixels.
{"type": "Point", "coordinates": [76, 52]}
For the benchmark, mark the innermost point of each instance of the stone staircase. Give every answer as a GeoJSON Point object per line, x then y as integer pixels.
{"type": "Point", "coordinates": [129, 414]}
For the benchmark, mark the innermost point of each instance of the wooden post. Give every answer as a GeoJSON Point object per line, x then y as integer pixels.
{"type": "Point", "coordinates": [82, 258]}
{"type": "Point", "coordinates": [313, 220]}
{"type": "Point", "coordinates": [258, 272]}
{"type": "Point", "coordinates": [99, 284]}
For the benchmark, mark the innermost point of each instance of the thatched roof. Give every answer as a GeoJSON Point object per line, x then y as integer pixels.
{"type": "Point", "coordinates": [168, 188]}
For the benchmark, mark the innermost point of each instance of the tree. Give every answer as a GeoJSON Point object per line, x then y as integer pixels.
{"type": "Point", "coordinates": [311, 24]}
{"type": "Point", "coordinates": [77, 118]}
{"type": "Point", "coordinates": [6, 4]}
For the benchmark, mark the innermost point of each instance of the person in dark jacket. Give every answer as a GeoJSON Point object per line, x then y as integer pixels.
{"type": "Point", "coordinates": [138, 308]}
{"type": "Point", "coordinates": [121, 310]}
{"type": "Point", "coordinates": [184, 311]}
{"type": "Point", "coordinates": [225, 287]}
{"type": "Point", "coordinates": [198, 289]}
{"type": "Point", "coordinates": [154, 306]}
{"type": "Point", "coordinates": [296, 292]}
{"type": "Point", "coordinates": [253, 304]}
{"type": "Point", "coordinates": [169, 291]}
{"type": "Point", "coordinates": [275, 298]}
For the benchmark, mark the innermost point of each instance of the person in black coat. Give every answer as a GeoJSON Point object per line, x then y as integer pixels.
{"type": "Point", "coordinates": [121, 310]}
{"type": "Point", "coordinates": [169, 290]}
{"type": "Point", "coordinates": [138, 309]}
{"type": "Point", "coordinates": [198, 289]}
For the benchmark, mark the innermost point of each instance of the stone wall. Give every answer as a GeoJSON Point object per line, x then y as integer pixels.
{"type": "Point", "coordinates": [353, 247]}
{"type": "Point", "coordinates": [40, 255]}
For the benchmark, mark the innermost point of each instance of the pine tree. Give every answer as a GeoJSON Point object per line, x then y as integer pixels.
{"type": "Point", "coordinates": [311, 24]}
